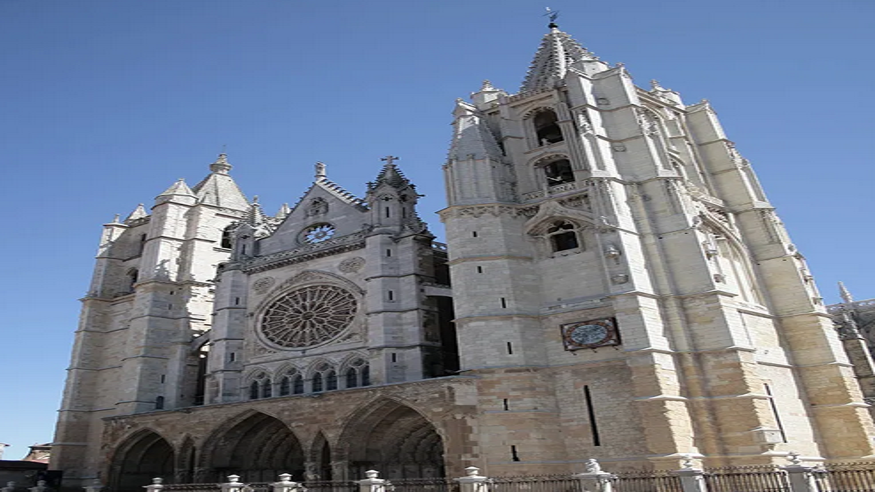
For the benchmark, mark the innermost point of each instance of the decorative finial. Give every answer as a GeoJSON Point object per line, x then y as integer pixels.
{"type": "Point", "coordinates": [654, 85]}
{"type": "Point", "coordinates": [321, 171]}
{"type": "Point", "coordinates": [115, 219]}
{"type": "Point", "coordinates": [255, 200]}
{"type": "Point", "coordinates": [847, 298]}
{"type": "Point", "coordinates": [221, 165]}
{"type": "Point", "coordinates": [688, 462]}
{"type": "Point", "coordinates": [552, 15]}
{"type": "Point", "coordinates": [794, 458]}
{"type": "Point", "coordinates": [390, 160]}
{"type": "Point", "coordinates": [487, 86]}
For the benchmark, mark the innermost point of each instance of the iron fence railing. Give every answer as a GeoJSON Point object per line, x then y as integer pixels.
{"type": "Point", "coordinates": [423, 485]}
{"type": "Point", "coordinates": [546, 483]}
{"type": "Point", "coordinates": [765, 478]}
{"type": "Point", "coordinates": [647, 481]}
{"type": "Point", "coordinates": [845, 477]}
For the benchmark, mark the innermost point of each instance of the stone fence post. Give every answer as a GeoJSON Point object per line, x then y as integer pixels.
{"type": "Point", "coordinates": [233, 484]}
{"type": "Point", "coordinates": [801, 477]}
{"type": "Point", "coordinates": [692, 478]}
{"type": "Point", "coordinates": [372, 483]}
{"type": "Point", "coordinates": [594, 479]}
{"type": "Point", "coordinates": [473, 482]}
{"type": "Point", "coordinates": [155, 486]}
{"type": "Point", "coordinates": [40, 486]}
{"type": "Point", "coordinates": [285, 484]}
{"type": "Point", "coordinates": [10, 487]}
{"type": "Point", "coordinates": [96, 486]}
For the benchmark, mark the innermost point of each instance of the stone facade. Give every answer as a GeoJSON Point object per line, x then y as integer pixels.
{"type": "Point", "coordinates": [621, 289]}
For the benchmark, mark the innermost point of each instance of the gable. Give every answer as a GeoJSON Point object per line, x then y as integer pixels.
{"type": "Point", "coordinates": [323, 212]}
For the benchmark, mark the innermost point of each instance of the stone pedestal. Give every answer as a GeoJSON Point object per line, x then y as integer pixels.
{"type": "Point", "coordinates": [155, 486]}
{"type": "Point", "coordinates": [473, 482]}
{"type": "Point", "coordinates": [285, 484]}
{"type": "Point", "coordinates": [233, 484]}
{"type": "Point", "coordinates": [692, 480]}
{"type": "Point", "coordinates": [372, 483]}
{"type": "Point", "coordinates": [801, 478]}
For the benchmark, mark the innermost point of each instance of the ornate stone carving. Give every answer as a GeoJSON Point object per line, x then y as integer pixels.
{"type": "Point", "coordinates": [317, 206]}
{"type": "Point", "coordinates": [263, 284]}
{"type": "Point", "coordinates": [351, 265]}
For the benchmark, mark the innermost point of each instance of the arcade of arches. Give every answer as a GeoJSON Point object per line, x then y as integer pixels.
{"type": "Point", "coordinates": [387, 435]}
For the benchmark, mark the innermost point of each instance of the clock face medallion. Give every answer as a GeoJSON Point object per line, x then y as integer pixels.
{"type": "Point", "coordinates": [590, 334]}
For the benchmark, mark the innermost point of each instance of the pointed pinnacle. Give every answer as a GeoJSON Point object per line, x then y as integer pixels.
{"type": "Point", "coordinates": [845, 294]}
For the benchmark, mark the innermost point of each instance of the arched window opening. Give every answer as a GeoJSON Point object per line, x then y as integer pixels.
{"type": "Point", "coordinates": [142, 244]}
{"type": "Point", "coordinates": [133, 276]}
{"type": "Point", "coordinates": [317, 383]}
{"type": "Point", "coordinates": [558, 172]}
{"type": "Point", "coordinates": [331, 381]}
{"type": "Point", "coordinates": [366, 376]}
{"type": "Point", "coordinates": [253, 390]}
{"type": "Point", "coordinates": [266, 389]}
{"type": "Point", "coordinates": [547, 128]}
{"type": "Point", "coordinates": [159, 403]}
{"type": "Point", "coordinates": [563, 236]}
{"type": "Point", "coordinates": [352, 378]}
{"type": "Point", "coordinates": [298, 385]}
{"type": "Point", "coordinates": [285, 386]}
{"type": "Point", "coordinates": [226, 237]}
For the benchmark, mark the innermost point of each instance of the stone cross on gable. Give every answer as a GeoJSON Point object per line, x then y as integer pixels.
{"type": "Point", "coordinates": [390, 159]}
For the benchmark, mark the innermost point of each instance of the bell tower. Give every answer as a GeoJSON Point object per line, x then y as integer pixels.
{"type": "Point", "coordinates": [613, 252]}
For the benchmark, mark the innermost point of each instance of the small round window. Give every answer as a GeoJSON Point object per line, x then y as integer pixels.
{"type": "Point", "coordinates": [317, 233]}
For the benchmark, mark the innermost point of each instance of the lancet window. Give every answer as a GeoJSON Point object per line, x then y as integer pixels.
{"type": "Point", "coordinates": [357, 374]}
{"type": "Point", "coordinates": [291, 383]}
{"type": "Point", "coordinates": [260, 387]}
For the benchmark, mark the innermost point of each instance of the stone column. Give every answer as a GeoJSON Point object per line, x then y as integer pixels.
{"type": "Point", "coordinates": [372, 483]}
{"type": "Point", "coordinates": [473, 482]}
{"type": "Point", "coordinates": [594, 479]}
{"type": "Point", "coordinates": [801, 477]}
{"type": "Point", "coordinates": [285, 484]}
{"type": "Point", "coordinates": [155, 486]}
{"type": "Point", "coordinates": [233, 484]}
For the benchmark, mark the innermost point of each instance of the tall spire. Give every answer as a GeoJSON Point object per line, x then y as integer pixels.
{"type": "Point", "coordinates": [558, 51]}
{"type": "Point", "coordinates": [390, 174]}
{"type": "Point", "coordinates": [847, 298]}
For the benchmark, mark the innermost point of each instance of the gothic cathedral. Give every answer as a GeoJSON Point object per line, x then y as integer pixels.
{"type": "Point", "coordinates": [615, 285]}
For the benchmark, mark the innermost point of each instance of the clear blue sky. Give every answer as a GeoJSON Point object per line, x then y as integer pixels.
{"type": "Point", "coordinates": [106, 102]}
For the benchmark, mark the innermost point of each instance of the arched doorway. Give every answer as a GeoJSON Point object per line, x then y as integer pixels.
{"type": "Point", "coordinates": [139, 459]}
{"type": "Point", "coordinates": [258, 448]}
{"type": "Point", "coordinates": [396, 440]}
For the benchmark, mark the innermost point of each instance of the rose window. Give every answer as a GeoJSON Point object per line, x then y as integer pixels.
{"type": "Point", "coordinates": [318, 233]}
{"type": "Point", "coordinates": [308, 316]}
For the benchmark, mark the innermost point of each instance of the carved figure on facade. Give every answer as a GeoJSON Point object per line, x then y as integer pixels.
{"type": "Point", "coordinates": [351, 265]}
{"type": "Point", "coordinates": [317, 206]}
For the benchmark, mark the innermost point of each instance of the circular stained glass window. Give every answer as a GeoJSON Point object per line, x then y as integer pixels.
{"type": "Point", "coordinates": [318, 233]}
{"type": "Point", "coordinates": [308, 316]}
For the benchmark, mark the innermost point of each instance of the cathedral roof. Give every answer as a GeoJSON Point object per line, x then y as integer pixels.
{"type": "Point", "coordinates": [138, 213]}
{"type": "Point", "coordinates": [557, 52]}
{"type": "Point", "coordinates": [178, 188]}
{"type": "Point", "coordinates": [472, 138]}
{"type": "Point", "coordinates": [219, 189]}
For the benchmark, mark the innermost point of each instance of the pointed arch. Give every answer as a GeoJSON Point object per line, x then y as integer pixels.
{"type": "Point", "coordinates": [387, 434]}
{"type": "Point", "coordinates": [320, 456]}
{"type": "Point", "coordinates": [139, 458]}
{"type": "Point", "coordinates": [254, 445]}
{"type": "Point", "coordinates": [185, 461]}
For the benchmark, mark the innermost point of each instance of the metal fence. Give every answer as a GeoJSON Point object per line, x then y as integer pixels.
{"type": "Point", "coordinates": [766, 478]}
{"type": "Point", "coordinates": [647, 481]}
{"type": "Point", "coordinates": [846, 477]}
{"type": "Point", "coordinates": [546, 483]}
